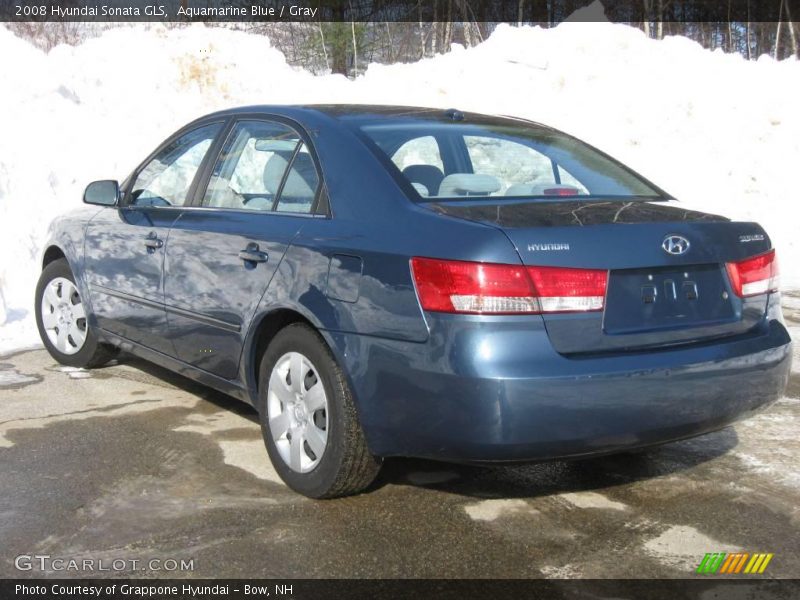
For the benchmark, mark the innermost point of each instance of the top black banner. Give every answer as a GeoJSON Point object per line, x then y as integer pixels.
{"type": "Point", "coordinates": [491, 11]}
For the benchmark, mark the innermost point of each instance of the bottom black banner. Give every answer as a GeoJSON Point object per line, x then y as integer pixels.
{"type": "Point", "coordinates": [222, 589]}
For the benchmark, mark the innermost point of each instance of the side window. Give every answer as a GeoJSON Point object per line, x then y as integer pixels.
{"type": "Point", "coordinates": [300, 187]}
{"type": "Point", "coordinates": [568, 179]}
{"type": "Point", "coordinates": [420, 161]}
{"type": "Point", "coordinates": [518, 168]}
{"type": "Point", "coordinates": [165, 180]}
{"type": "Point", "coordinates": [251, 167]}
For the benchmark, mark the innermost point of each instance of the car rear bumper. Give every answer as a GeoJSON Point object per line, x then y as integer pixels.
{"type": "Point", "coordinates": [493, 389]}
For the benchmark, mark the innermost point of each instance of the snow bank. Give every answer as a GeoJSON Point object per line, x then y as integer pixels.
{"type": "Point", "coordinates": [718, 132]}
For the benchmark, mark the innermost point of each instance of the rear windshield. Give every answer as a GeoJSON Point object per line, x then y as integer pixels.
{"type": "Point", "coordinates": [458, 160]}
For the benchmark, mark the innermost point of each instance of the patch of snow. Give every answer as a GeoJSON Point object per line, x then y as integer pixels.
{"type": "Point", "coordinates": [250, 456]}
{"type": "Point", "coordinates": [794, 333]}
{"type": "Point", "coordinates": [718, 132]}
{"type": "Point", "coordinates": [790, 301]}
{"type": "Point", "coordinates": [13, 378]}
{"type": "Point", "coordinates": [246, 454]}
{"type": "Point", "coordinates": [768, 444]}
{"type": "Point", "coordinates": [80, 375]}
{"type": "Point", "coordinates": [684, 547]}
{"type": "Point", "coordinates": [562, 572]}
{"type": "Point", "coordinates": [592, 500]}
{"type": "Point", "coordinates": [491, 510]}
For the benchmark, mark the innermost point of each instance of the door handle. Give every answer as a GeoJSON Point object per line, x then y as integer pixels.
{"type": "Point", "coordinates": [252, 254]}
{"type": "Point", "coordinates": [152, 242]}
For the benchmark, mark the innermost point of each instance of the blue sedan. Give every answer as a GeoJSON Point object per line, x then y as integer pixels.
{"type": "Point", "coordinates": [394, 281]}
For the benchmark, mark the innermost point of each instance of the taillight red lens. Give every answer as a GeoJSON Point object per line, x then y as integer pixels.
{"type": "Point", "coordinates": [756, 275]}
{"type": "Point", "coordinates": [486, 288]}
{"type": "Point", "coordinates": [564, 290]}
{"type": "Point", "coordinates": [456, 286]}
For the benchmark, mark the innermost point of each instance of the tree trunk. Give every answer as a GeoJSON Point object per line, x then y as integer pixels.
{"type": "Point", "coordinates": [660, 23]}
{"type": "Point", "coordinates": [421, 31]}
{"type": "Point", "coordinates": [465, 26]}
{"type": "Point", "coordinates": [778, 32]}
{"type": "Point", "coordinates": [747, 32]}
{"type": "Point", "coordinates": [792, 34]}
{"type": "Point", "coordinates": [355, 49]}
{"type": "Point", "coordinates": [390, 46]}
{"type": "Point", "coordinates": [448, 27]}
{"type": "Point", "coordinates": [324, 50]}
{"type": "Point", "coordinates": [337, 39]}
{"type": "Point", "coordinates": [730, 29]}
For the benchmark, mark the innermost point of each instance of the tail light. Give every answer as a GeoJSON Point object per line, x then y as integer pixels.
{"type": "Point", "coordinates": [756, 275]}
{"type": "Point", "coordinates": [486, 288]}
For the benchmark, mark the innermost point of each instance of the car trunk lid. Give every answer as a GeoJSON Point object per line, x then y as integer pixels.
{"type": "Point", "coordinates": [658, 292]}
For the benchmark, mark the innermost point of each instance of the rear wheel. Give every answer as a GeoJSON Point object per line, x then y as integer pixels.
{"type": "Point", "coordinates": [62, 319]}
{"type": "Point", "coordinates": [308, 418]}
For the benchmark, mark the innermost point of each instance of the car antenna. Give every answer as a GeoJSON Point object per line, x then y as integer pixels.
{"type": "Point", "coordinates": [454, 114]}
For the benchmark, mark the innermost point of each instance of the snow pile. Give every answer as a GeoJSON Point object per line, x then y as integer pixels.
{"type": "Point", "coordinates": [718, 132]}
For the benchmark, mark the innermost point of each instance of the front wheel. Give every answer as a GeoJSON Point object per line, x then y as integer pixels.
{"type": "Point", "coordinates": [63, 322]}
{"type": "Point", "coordinates": [308, 418]}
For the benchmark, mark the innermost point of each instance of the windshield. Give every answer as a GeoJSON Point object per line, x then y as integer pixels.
{"type": "Point", "coordinates": [460, 160]}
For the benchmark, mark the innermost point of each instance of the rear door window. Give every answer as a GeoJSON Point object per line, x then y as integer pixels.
{"type": "Point", "coordinates": [251, 167]}
{"type": "Point", "coordinates": [300, 187]}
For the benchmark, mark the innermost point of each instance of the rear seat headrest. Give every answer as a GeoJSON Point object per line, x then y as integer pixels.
{"type": "Point", "coordinates": [465, 184]}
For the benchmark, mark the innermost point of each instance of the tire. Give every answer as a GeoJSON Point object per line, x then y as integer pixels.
{"type": "Point", "coordinates": [344, 466]}
{"type": "Point", "coordinates": [81, 346]}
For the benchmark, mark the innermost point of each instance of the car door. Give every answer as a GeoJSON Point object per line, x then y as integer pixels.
{"type": "Point", "coordinates": [125, 245]}
{"type": "Point", "coordinates": [223, 252]}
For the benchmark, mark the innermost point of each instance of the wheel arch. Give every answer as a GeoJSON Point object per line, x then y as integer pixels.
{"type": "Point", "coordinates": [264, 329]}
{"type": "Point", "coordinates": [262, 332]}
{"type": "Point", "coordinates": [61, 247]}
{"type": "Point", "coordinates": [51, 254]}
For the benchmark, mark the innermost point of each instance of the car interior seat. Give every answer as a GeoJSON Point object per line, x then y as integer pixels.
{"type": "Point", "coordinates": [427, 175]}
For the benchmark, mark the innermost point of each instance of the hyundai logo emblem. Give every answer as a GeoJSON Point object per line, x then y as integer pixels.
{"type": "Point", "coordinates": [675, 244]}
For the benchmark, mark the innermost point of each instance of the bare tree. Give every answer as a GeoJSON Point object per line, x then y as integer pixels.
{"type": "Point", "coordinates": [792, 34]}
{"type": "Point", "coordinates": [778, 31]}
{"type": "Point", "coordinates": [660, 23]}
{"type": "Point", "coordinates": [46, 35]}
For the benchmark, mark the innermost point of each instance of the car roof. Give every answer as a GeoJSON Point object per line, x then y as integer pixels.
{"type": "Point", "coordinates": [366, 112]}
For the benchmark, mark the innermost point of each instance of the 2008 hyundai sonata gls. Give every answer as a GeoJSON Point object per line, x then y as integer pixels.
{"type": "Point", "coordinates": [383, 281]}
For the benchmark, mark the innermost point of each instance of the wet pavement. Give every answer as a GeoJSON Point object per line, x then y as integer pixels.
{"type": "Point", "coordinates": [131, 462]}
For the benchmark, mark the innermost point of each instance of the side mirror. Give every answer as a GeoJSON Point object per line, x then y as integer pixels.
{"type": "Point", "coordinates": [103, 193]}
